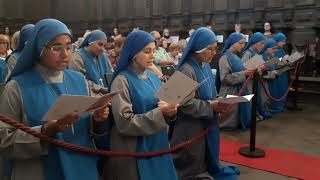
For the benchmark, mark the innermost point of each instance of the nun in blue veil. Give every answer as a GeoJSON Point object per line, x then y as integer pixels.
{"type": "Point", "coordinates": [283, 79]}
{"type": "Point", "coordinates": [271, 79]}
{"type": "Point", "coordinates": [38, 79]}
{"type": "Point", "coordinates": [253, 47]}
{"type": "Point", "coordinates": [231, 77]}
{"type": "Point", "coordinates": [200, 160]}
{"type": "Point", "coordinates": [25, 33]}
{"type": "Point", "coordinates": [140, 120]}
{"type": "Point", "coordinates": [90, 59]}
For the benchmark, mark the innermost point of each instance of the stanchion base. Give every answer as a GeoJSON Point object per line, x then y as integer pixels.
{"type": "Point", "coordinates": [257, 153]}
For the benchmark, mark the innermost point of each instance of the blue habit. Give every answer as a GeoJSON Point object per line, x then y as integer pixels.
{"type": "Point", "coordinates": [143, 100]}
{"type": "Point", "coordinates": [261, 107]}
{"type": "Point", "coordinates": [38, 96]}
{"type": "Point", "coordinates": [96, 71]}
{"type": "Point", "coordinates": [282, 85]}
{"type": "Point", "coordinates": [275, 107]}
{"type": "Point", "coordinates": [208, 92]}
{"type": "Point", "coordinates": [272, 83]}
{"type": "Point", "coordinates": [244, 108]}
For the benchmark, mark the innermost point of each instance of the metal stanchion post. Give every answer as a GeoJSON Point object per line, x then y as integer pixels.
{"type": "Point", "coordinates": [252, 151]}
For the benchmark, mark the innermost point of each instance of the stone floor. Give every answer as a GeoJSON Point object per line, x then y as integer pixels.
{"type": "Point", "coordinates": [291, 130]}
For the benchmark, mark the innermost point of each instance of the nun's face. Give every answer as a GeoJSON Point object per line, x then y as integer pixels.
{"type": "Point", "coordinates": [97, 47]}
{"type": "Point", "coordinates": [259, 46]}
{"type": "Point", "coordinates": [144, 58]}
{"type": "Point", "coordinates": [271, 51]}
{"type": "Point", "coordinates": [239, 46]}
{"type": "Point", "coordinates": [57, 54]}
{"type": "Point", "coordinates": [207, 55]}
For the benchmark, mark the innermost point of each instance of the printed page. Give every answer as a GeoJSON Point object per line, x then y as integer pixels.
{"type": "Point", "coordinates": [177, 88]}
{"type": "Point", "coordinates": [82, 104]}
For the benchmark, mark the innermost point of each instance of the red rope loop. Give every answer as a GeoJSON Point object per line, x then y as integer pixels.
{"type": "Point", "coordinates": [267, 92]}
{"type": "Point", "coordinates": [81, 149]}
{"type": "Point", "coordinates": [86, 150]}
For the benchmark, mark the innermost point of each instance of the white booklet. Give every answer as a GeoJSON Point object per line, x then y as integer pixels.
{"type": "Point", "coordinates": [254, 62]}
{"type": "Point", "coordinates": [81, 104]}
{"type": "Point", "coordinates": [295, 57]}
{"type": "Point", "coordinates": [232, 99]}
{"type": "Point", "coordinates": [177, 88]}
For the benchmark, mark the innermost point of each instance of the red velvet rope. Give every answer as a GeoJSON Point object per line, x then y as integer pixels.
{"type": "Point", "coordinates": [267, 92]}
{"type": "Point", "coordinates": [86, 150]}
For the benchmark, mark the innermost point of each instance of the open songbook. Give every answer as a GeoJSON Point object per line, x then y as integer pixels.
{"type": "Point", "coordinates": [257, 61]}
{"type": "Point", "coordinates": [254, 62]}
{"type": "Point", "coordinates": [295, 57]}
{"type": "Point", "coordinates": [82, 104]}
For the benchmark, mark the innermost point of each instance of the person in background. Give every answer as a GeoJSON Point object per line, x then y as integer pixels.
{"type": "Point", "coordinates": [166, 39]}
{"type": "Point", "coordinates": [161, 57]}
{"type": "Point", "coordinates": [114, 54]}
{"type": "Point", "coordinates": [191, 31]}
{"type": "Point", "coordinates": [174, 51]}
{"type": "Point", "coordinates": [237, 28]}
{"type": "Point", "coordinates": [4, 46]}
{"type": "Point", "coordinates": [92, 61]}
{"type": "Point", "coordinates": [14, 40]}
{"type": "Point", "coordinates": [267, 30]}
{"type": "Point", "coordinates": [7, 33]}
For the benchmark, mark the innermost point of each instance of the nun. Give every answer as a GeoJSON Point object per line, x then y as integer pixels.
{"type": "Point", "coordinates": [38, 79]}
{"type": "Point", "coordinates": [283, 79]}
{"type": "Point", "coordinates": [231, 76]}
{"type": "Point", "coordinates": [201, 159]}
{"type": "Point", "coordinates": [254, 46]}
{"type": "Point", "coordinates": [25, 33]}
{"type": "Point", "coordinates": [90, 60]}
{"type": "Point", "coordinates": [140, 120]}
{"type": "Point", "coordinates": [270, 80]}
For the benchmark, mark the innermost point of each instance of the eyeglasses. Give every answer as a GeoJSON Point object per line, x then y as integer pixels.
{"type": "Point", "coordinates": [60, 48]}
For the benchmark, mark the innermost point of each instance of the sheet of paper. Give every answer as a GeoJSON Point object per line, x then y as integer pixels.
{"type": "Point", "coordinates": [273, 61]}
{"type": "Point", "coordinates": [177, 88]}
{"type": "Point", "coordinates": [82, 104]}
{"type": "Point", "coordinates": [220, 38]}
{"type": "Point", "coordinates": [174, 39]}
{"type": "Point", "coordinates": [232, 99]}
{"type": "Point", "coordinates": [294, 57]}
{"type": "Point", "coordinates": [254, 62]}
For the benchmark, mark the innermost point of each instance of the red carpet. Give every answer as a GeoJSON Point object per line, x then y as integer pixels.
{"type": "Point", "coordinates": [286, 163]}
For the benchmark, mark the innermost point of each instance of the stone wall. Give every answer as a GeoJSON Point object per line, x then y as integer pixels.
{"type": "Point", "coordinates": [300, 19]}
